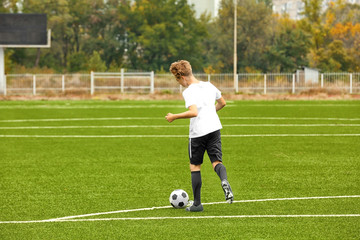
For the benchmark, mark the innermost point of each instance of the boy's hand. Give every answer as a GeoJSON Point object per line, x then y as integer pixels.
{"type": "Point", "coordinates": [169, 117]}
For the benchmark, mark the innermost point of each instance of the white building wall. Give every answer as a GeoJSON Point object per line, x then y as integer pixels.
{"type": "Point", "coordinates": [294, 8]}
{"type": "Point", "coordinates": [209, 6]}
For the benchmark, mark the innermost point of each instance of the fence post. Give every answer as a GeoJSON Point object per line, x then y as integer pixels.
{"type": "Point", "coordinates": [322, 80]}
{"type": "Point", "coordinates": [293, 84]}
{"type": "Point", "coordinates": [92, 83]}
{"type": "Point", "coordinates": [208, 77]}
{"type": "Point", "coordinates": [350, 83]}
{"type": "Point", "coordinates": [265, 83]}
{"type": "Point", "coordinates": [34, 84]}
{"type": "Point", "coordinates": [63, 83]}
{"type": "Point", "coordinates": [122, 81]}
{"type": "Point", "coordinates": [152, 82]}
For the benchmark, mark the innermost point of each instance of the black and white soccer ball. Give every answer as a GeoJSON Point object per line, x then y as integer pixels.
{"type": "Point", "coordinates": [179, 198]}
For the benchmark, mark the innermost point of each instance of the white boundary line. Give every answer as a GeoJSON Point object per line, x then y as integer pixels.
{"type": "Point", "coordinates": [184, 217]}
{"type": "Point", "coordinates": [182, 136]}
{"type": "Point", "coordinates": [97, 127]}
{"type": "Point", "coordinates": [81, 119]}
{"type": "Point", "coordinates": [163, 118]}
{"type": "Point", "coordinates": [106, 106]}
{"type": "Point", "coordinates": [90, 106]}
{"type": "Point", "coordinates": [292, 118]}
{"type": "Point", "coordinates": [181, 126]}
{"type": "Point", "coordinates": [212, 203]}
{"type": "Point", "coordinates": [73, 218]}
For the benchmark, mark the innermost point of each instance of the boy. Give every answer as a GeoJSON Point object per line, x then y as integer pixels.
{"type": "Point", "coordinates": [204, 128]}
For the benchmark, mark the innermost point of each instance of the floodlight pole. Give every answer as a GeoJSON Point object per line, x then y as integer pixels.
{"type": "Point", "coordinates": [235, 47]}
{"type": "Point", "coordinates": [2, 71]}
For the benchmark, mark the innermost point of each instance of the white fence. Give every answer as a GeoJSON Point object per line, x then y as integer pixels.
{"type": "Point", "coordinates": [148, 82]}
{"type": "Point", "coordinates": [123, 81]}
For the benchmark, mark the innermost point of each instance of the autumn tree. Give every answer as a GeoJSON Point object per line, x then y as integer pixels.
{"type": "Point", "coordinates": [343, 21]}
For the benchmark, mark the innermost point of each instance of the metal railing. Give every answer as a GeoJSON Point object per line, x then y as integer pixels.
{"type": "Point", "coordinates": [148, 82]}
{"type": "Point", "coordinates": [123, 81]}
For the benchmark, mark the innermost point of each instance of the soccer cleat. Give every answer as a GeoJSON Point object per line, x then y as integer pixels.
{"type": "Point", "coordinates": [194, 208]}
{"type": "Point", "coordinates": [191, 202]}
{"type": "Point", "coordinates": [229, 196]}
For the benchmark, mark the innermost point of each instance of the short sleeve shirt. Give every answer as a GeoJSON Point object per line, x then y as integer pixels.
{"type": "Point", "coordinates": [203, 95]}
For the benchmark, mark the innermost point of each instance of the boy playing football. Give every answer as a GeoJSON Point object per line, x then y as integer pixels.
{"type": "Point", "coordinates": [204, 134]}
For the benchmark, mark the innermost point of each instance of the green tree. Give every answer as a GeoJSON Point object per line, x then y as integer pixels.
{"type": "Point", "coordinates": [163, 31]}
{"type": "Point", "coordinates": [312, 23]}
{"type": "Point", "coordinates": [9, 6]}
{"type": "Point", "coordinates": [58, 20]}
{"type": "Point", "coordinates": [253, 34]}
{"type": "Point", "coordinates": [77, 62]}
{"type": "Point", "coordinates": [9, 65]}
{"type": "Point", "coordinates": [289, 47]}
{"type": "Point", "coordinates": [2, 7]}
{"type": "Point", "coordinates": [95, 63]}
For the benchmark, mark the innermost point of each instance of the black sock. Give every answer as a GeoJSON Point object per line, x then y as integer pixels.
{"type": "Point", "coordinates": [220, 169]}
{"type": "Point", "coordinates": [196, 186]}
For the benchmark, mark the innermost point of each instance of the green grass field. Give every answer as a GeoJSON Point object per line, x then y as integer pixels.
{"type": "Point", "coordinates": [105, 169]}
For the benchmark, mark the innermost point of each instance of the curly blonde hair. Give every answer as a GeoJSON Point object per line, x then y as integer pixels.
{"type": "Point", "coordinates": [181, 68]}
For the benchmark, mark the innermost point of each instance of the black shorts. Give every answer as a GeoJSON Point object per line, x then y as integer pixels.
{"type": "Point", "coordinates": [210, 142]}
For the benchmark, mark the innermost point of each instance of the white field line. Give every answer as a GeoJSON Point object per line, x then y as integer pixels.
{"type": "Point", "coordinates": [213, 203]}
{"type": "Point", "coordinates": [299, 105]}
{"type": "Point", "coordinates": [105, 106]}
{"type": "Point", "coordinates": [181, 126]}
{"type": "Point", "coordinates": [82, 119]}
{"type": "Point", "coordinates": [98, 127]}
{"type": "Point", "coordinates": [292, 118]}
{"type": "Point", "coordinates": [74, 218]}
{"type": "Point", "coordinates": [163, 118]}
{"type": "Point", "coordinates": [181, 136]}
{"type": "Point", "coordinates": [182, 218]}
{"type": "Point", "coordinates": [90, 106]}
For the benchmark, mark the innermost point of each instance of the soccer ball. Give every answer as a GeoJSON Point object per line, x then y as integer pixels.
{"type": "Point", "coordinates": [179, 198]}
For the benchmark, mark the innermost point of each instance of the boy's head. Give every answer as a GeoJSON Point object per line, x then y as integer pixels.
{"type": "Point", "coordinates": [181, 68]}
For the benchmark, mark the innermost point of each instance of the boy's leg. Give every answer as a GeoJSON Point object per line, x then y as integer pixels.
{"type": "Point", "coordinates": [196, 154]}
{"type": "Point", "coordinates": [221, 172]}
{"type": "Point", "coordinates": [196, 186]}
{"type": "Point", "coordinates": [215, 154]}
{"type": "Point", "coordinates": [220, 169]}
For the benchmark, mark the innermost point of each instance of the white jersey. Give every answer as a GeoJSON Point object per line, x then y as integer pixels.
{"type": "Point", "coordinates": [203, 95]}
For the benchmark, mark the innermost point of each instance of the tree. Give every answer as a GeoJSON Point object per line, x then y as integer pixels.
{"type": "Point", "coordinates": [253, 34]}
{"type": "Point", "coordinates": [58, 20]}
{"type": "Point", "coordinates": [312, 23]}
{"type": "Point", "coordinates": [163, 31]}
{"type": "Point", "coordinates": [77, 62]}
{"type": "Point", "coordinates": [95, 63]}
{"type": "Point", "coordinates": [343, 21]}
{"type": "Point", "coordinates": [2, 7]}
{"type": "Point", "coordinates": [289, 47]}
{"type": "Point", "coordinates": [9, 6]}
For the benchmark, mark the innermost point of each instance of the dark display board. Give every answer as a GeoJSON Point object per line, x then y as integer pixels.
{"type": "Point", "coordinates": [23, 29]}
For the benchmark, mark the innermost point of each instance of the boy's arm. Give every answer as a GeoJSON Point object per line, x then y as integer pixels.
{"type": "Point", "coordinates": [220, 103]}
{"type": "Point", "coordinates": [192, 112]}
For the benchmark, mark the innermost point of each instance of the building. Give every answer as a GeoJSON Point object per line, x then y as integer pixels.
{"type": "Point", "coordinates": [294, 8]}
{"type": "Point", "coordinates": [306, 75]}
{"type": "Point", "coordinates": [209, 6]}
